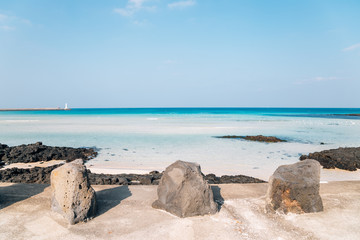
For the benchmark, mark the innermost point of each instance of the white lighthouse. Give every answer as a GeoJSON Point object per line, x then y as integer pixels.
{"type": "Point", "coordinates": [66, 107]}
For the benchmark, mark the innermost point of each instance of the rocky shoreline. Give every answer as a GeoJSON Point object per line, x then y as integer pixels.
{"type": "Point", "coordinates": [258, 138]}
{"type": "Point", "coordinates": [41, 175]}
{"type": "Point", "coordinates": [37, 152]}
{"type": "Point", "coordinates": [350, 115]}
{"type": "Point", "coordinates": [342, 158]}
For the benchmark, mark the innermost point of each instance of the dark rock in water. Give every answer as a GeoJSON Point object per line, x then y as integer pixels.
{"type": "Point", "coordinates": [72, 195]}
{"type": "Point", "coordinates": [258, 138]}
{"type": "Point", "coordinates": [38, 152]}
{"type": "Point", "coordinates": [351, 114]}
{"type": "Point", "coordinates": [343, 158]}
{"type": "Point", "coordinates": [184, 192]}
{"type": "Point", "coordinates": [295, 188]}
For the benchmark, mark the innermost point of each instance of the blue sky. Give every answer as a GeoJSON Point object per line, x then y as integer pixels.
{"type": "Point", "coordinates": [179, 53]}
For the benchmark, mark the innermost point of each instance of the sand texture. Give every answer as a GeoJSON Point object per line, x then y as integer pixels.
{"type": "Point", "coordinates": [125, 212]}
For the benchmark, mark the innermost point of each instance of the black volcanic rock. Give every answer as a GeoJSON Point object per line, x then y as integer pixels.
{"type": "Point", "coordinates": [212, 179]}
{"type": "Point", "coordinates": [258, 138]}
{"type": "Point", "coordinates": [38, 152]}
{"type": "Point", "coordinates": [29, 175]}
{"type": "Point", "coordinates": [343, 158]}
{"type": "Point", "coordinates": [124, 179]}
{"type": "Point", "coordinates": [42, 175]}
{"type": "Point", "coordinates": [351, 114]}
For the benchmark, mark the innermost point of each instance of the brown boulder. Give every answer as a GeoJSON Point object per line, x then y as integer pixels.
{"type": "Point", "coordinates": [295, 188]}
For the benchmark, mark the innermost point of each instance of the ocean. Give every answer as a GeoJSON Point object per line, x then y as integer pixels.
{"type": "Point", "coordinates": [147, 139]}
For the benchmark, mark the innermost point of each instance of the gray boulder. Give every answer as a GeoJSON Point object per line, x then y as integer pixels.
{"type": "Point", "coordinates": [72, 195]}
{"type": "Point", "coordinates": [295, 188]}
{"type": "Point", "coordinates": [183, 191]}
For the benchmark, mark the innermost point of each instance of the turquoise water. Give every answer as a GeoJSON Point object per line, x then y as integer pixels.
{"type": "Point", "coordinates": [150, 139]}
{"type": "Point", "coordinates": [209, 111]}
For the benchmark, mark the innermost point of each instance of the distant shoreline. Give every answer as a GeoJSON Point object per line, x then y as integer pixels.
{"type": "Point", "coordinates": [33, 109]}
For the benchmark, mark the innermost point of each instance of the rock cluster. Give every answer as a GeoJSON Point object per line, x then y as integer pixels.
{"type": "Point", "coordinates": [42, 175]}
{"type": "Point", "coordinates": [213, 179]}
{"type": "Point", "coordinates": [258, 138]}
{"type": "Point", "coordinates": [27, 175]}
{"type": "Point", "coordinates": [184, 192]}
{"type": "Point", "coordinates": [295, 188]}
{"type": "Point", "coordinates": [152, 178]}
{"type": "Point", "coordinates": [343, 158]}
{"type": "Point", "coordinates": [38, 152]}
{"type": "Point", "coordinates": [72, 195]}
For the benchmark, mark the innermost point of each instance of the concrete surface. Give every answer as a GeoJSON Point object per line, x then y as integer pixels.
{"type": "Point", "coordinates": [125, 212]}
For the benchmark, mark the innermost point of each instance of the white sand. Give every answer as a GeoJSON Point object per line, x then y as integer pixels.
{"type": "Point", "coordinates": [34, 164]}
{"type": "Point", "coordinates": [125, 212]}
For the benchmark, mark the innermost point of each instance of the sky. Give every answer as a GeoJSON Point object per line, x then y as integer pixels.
{"type": "Point", "coordinates": [179, 53]}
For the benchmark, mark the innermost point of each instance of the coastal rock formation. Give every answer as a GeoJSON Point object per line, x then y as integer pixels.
{"type": "Point", "coordinates": [295, 188]}
{"type": "Point", "coordinates": [42, 175]}
{"type": "Point", "coordinates": [27, 175]}
{"type": "Point", "coordinates": [152, 178]}
{"type": "Point", "coordinates": [183, 191]}
{"type": "Point", "coordinates": [213, 179]}
{"type": "Point", "coordinates": [38, 152]}
{"type": "Point", "coordinates": [343, 158]}
{"type": "Point", "coordinates": [2, 153]}
{"type": "Point", "coordinates": [72, 195]}
{"type": "Point", "coordinates": [258, 138]}
{"type": "Point", "coordinates": [350, 114]}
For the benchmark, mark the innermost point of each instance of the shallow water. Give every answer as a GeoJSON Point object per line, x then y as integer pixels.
{"type": "Point", "coordinates": [150, 139]}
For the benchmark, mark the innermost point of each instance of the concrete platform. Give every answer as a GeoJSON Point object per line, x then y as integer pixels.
{"type": "Point", "coordinates": [125, 212]}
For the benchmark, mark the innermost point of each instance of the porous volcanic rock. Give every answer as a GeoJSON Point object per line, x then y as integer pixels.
{"type": "Point", "coordinates": [152, 178]}
{"type": "Point", "coordinates": [343, 158]}
{"type": "Point", "coordinates": [42, 175]}
{"type": "Point", "coordinates": [27, 175]}
{"type": "Point", "coordinates": [184, 192]}
{"type": "Point", "coordinates": [258, 138]}
{"type": "Point", "coordinates": [295, 188]}
{"type": "Point", "coordinates": [38, 152]}
{"type": "Point", "coordinates": [72, 195]}
{"type": "Point", "coordinates": [213, 179]}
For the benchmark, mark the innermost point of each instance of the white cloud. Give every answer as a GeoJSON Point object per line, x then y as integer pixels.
{"type": "Point", "coordinates": [132, 7]}
{"type": "Point", "coordinates": [124, 12]}
{"type": "Point", "coordinates": [322, 79]}
{"type": "Point", "coordinates": [140, 23]}
{"type": "Point", "coordinates": [3, 17]}
{"type": "Point", "coordinates": [7, 28]}
{"type": "Point", "coordinates": [170, 61]}
{"type": "Point", "coordinates": [11, 22]}
{"type": "Point", "coordinates": [181, 4]}
{"type": "Point", "coordinates": [137, 3]}
{"type": "Point", "coordinates": [315, 79]}
{"type": "Point", "coordinates": [352, 47]}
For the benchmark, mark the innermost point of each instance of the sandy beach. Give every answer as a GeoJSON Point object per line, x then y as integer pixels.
{"type": "Point", "coordinates": [125, 212]}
